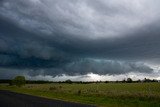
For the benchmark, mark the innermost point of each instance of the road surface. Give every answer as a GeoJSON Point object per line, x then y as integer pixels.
{"type": "Point", "coordinates": [12, 99]}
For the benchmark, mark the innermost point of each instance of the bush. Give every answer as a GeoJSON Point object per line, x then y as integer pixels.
{"type": "Point", "coordinates": [79, 92]}
{"type": "Point", "coordinates": [52, 88]}
{"type": "Point", "coordinates": [11, 83]}
{"type": "Point", "coordinates": [19, 81]}
{"type": "Point", "coordinates": [60, 87]}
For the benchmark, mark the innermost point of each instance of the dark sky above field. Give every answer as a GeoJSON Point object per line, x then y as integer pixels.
{"type": "Point", "coordinates": [79, 38]}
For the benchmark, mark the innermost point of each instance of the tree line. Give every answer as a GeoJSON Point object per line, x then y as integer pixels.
{"type": "Point", "coordinates": [20, 81]}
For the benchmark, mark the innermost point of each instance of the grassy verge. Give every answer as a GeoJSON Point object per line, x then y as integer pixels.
{"type": "Point", "coordinates": [110, 95]}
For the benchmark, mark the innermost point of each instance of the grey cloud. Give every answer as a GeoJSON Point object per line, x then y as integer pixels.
{"type": "Point", "coordinates": [103, 67]}
{"type": "Point", "coordinates": [60, 37]}
{"type": "Point", "coordinates": [100, 67]}
{"type": "Point", "coordinates": [79, 18]}
{"type": "Point", "coordinates": [82, 67]}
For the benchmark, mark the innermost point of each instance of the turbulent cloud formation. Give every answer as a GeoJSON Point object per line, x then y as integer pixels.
{"type": "Point", "coordinates": [51, 37]}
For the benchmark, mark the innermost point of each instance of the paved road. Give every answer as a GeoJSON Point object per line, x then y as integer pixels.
{"type": "Point", "coordinates": [11, 99]}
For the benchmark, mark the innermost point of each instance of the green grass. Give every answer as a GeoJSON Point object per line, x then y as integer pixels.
{"type": "Point", "coordinates": [110, 94]}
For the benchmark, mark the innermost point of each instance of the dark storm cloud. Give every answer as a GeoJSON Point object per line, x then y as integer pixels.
{"type": "Point", "coordinates": [82, 67]}
{"type": "Point", "coordinates": [102, 67]}
{"type": "Point", "coordinates": [69, 37]}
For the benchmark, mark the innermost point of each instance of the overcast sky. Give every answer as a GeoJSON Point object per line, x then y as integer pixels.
{"type": "Point", "coordinates": [80, 39]}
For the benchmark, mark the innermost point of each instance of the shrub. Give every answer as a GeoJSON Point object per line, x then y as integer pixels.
{"type": "Point", "coordinates": [60, 87]}
{"type": "Point", "coordinates": [79, 92]}
{"type": "Point", "coordinates": [11, 83]}
{"type": "Point", "coordinates": [52, 88]}
{"type": "Point", "coordinates": [19, 81]}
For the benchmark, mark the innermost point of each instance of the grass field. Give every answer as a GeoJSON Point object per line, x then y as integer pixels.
{"type": "Point", "coordinates": [101, 94]}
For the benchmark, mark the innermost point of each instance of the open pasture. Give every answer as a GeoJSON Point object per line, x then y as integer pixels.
{"type": "Point", "coordinates": [100, 94]}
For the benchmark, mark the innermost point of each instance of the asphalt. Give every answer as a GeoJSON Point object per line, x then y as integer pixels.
{"type": "Point", "coordinates": [12, 99]}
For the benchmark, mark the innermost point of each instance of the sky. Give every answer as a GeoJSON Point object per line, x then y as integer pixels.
{"type": "Point", "coordinates": [81, 40]}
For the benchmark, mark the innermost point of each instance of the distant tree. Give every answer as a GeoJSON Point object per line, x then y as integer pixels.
{"type": "Point", "coordinates": [116, 81]}
{"type": "Point", "coordinates": [138, 80]}
{"type": "Point", "coordinates": [11, 83]}
{"type": "Point", "coordinates": [123, 81]}
{"type": "Point", "coordinates": [146, 80]}
{"type": "Point", "coordinates": [106, 81]}
{"type": "Point", "coordinates": [129, 80]}
{"type": "Point", "coordinates": [154, 80]}
{"type": "Point", "coordinates": [68, 81]}
{"type": "Point", "coordinates": [19, 81]}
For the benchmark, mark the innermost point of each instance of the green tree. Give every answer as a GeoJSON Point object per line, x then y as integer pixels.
{"type": "Point", "coordinates": [19, 81]}
{"type": "Point", "coordinates": [129, 80]}
{"type": "Point", "coordinates": [68, 81]}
